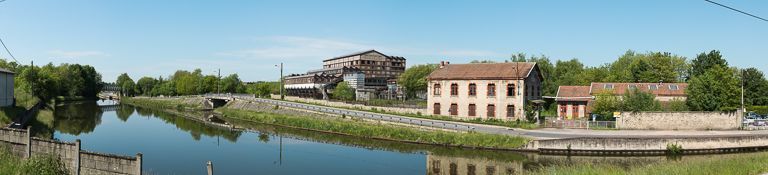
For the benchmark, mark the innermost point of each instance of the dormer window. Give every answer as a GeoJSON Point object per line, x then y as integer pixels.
{"type": "Point", "coordinates": [632, 86]}
{"type": "Point", "coordinates": [673, 87]}
{"type": "Point", "coordinates": [653, 87]}
{"type": "Point", "coordinates": [608, 86]}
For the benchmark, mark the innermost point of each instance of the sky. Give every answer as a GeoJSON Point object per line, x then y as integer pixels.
{"type": "Point", "coordinates": [155, 38]}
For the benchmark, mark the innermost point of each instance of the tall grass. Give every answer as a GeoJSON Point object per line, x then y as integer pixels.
{"type": "Point", "coordinates": [38, 165]}
{"type": "Point", "coordinates": [736, 164]}
{"type": "Point", "coordinates": [381, 131]}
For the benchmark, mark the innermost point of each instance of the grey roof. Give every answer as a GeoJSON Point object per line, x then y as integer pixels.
{"type": "Point", "coordinates": [355, 54]}
{"type": "Point", "coordinates": [6, 71]}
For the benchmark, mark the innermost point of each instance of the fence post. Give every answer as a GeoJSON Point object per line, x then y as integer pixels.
{"type": "Point", "coordinates": [209, 166]}
{"type": "Point", "coordinates": [29, 142]}
{"type": "Point", "coordinates": [138, 164]}
{"type": "Point", "coordinates": [77, 157]}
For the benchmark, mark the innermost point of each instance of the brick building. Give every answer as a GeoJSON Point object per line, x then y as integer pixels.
{"type": "Point", "coordinates": [486, 91]}
{"type": "Point", "coordinates": [574, 102]}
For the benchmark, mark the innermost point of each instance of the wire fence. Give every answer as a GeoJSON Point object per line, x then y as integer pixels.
{"type": "Point", "coordinates": [578, 124]}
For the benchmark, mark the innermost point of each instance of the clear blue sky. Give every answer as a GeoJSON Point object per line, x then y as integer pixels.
{"type": "Point", "coordinates": [154, 38]}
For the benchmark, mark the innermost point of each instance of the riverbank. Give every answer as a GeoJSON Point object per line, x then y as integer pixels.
{"type": "Point", "coordinates": [724, 164]}
{"type": "Point", "coordinates": [352, 127]}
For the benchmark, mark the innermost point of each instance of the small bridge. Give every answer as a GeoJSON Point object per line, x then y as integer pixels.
{"type": "Point", "coordinates": [217, 100]}
{"type": "Point", "coordinates": [110, 91]}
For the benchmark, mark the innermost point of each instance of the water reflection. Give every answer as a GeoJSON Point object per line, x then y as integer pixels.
{"type": "Point", "coordinates": [243, 147]}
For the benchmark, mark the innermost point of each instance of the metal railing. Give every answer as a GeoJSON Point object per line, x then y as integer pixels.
{"type": "Point", "coordinates": [577, 124]}
{"type": "Point", "coordinates": [352, 113]}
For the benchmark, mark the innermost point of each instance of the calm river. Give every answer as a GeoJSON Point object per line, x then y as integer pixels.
{"type": "Point", "coordinates": [174, 144]}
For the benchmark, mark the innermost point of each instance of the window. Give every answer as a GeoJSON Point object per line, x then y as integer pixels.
{"type": "Point", "coordinates": [454, 89]}
{"type": "Point", "coordinates": [436, 109]}
{"type": "Point", "coordinates": [510, 90]}
{"type": "Point", "coordinates": [472, 109]}
{"type": "Point", "coordinates": [452, 169]}
{"type": "Point", "coordinates": [510, 111]}
{"type": "Point", "coordinates": [608, 86]}
{"type": "Point", "coordinates": [471, 169]}
{"type": "Point", "coordinates": [491, 90]}
{"type": "Point", "coordinates": [436, 89]}
{"type": "Point", "coordinates": [653, 87]}
{"type": "Point", "coordinates": [490, 170]}
{"type": "Point", "coordinates": [632, 86]}
{"type": "Point", "coordinates": [575, 110]}
{"type": "Point", "coordinates": [491, 111]}
{"type": "Point", "coordinates": [673, 87]}
{"type": "Point", "coordinates": [454, 110]}
{"type": "Point", "coordinates": [472, 89]}
{"type": "Point", "coordinates": [436, 166]}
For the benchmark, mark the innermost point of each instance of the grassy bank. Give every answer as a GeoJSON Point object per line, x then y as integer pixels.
{"type": "Point", "coordinates": [495, 122]}
{"type": "Point", "coordinates": [43, 165]}
{"type": "Point", "coordinates": [721, 164]}
{"type": "Point", "coordinates": [380, 131]}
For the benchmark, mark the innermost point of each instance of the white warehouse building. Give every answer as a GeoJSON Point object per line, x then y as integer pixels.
{"type": "Point", "coordinates": [6, 87]}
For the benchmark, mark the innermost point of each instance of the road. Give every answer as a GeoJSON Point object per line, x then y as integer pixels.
{"type": "Point", "coordinates": [492, 129]}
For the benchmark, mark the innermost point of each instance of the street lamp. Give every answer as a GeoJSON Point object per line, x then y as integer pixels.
{"type": "Point", "coordinates": [218, 81]}
{"type": "Point", "coordinates": [282, 97]}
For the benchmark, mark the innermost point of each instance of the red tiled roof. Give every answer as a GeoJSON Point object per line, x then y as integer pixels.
{"type": "Point", "coordinates": [483, 71]}
{"type": "Point", "coordinates": [573, 93]}
{"type": "Point", "coordinates": [663, 89]}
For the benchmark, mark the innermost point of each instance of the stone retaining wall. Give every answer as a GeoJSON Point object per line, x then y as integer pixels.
{"type": "Point", "coordinates": [76, 160]}
{"type": "Point", "coordinates": [345, 105]}
{"type": "Point", "coordinates": [679, 120]}
{"type": "Point", "coordinates": [651, 144]}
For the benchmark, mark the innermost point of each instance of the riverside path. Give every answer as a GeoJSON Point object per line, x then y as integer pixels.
{"type": "Point", "coordinates": [491, 129]}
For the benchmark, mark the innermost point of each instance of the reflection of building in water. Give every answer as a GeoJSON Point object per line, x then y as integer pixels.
{"type": "Point", "coordinates": [445, 165]}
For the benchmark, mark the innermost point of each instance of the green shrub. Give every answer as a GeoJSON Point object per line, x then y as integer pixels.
{"type": "Point", "coordinates": [674, 149]}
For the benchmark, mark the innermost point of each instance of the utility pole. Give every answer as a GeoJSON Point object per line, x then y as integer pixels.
{"type": "Point", "coordinates": [743, 110]}
{"type": "Point", "coordinates": [218, 82]}
{"type": "Point", "coordinates": [282, 96]}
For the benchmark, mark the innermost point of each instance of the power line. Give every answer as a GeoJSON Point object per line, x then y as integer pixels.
{"type": "Point", "coordinates": [737, 10]}
{"type": "Point", "coordinates": [6, 47]}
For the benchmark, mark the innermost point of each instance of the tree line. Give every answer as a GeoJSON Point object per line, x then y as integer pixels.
{"type": "Point", "coordinates": [713, 84]}
{"type": "Point", "coordinates": [183, 82]}
{"type": "Point", "coordinates": [49, 81]}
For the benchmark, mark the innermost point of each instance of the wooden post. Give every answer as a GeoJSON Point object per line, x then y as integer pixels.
{"type": "Point", "coordinates": [209, 166]}
{"type": "Point", "coordinates": [77, 157]}
{"type": "Point", "coordinates": [29, 142]}
{"type": "Point", "coordinates": [138, 164]}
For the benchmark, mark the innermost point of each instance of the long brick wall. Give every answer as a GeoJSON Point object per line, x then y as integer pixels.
{"type": "Point", "coordinates": [77, 161]}
{"type": "Point", "coordinates": [345, 105]}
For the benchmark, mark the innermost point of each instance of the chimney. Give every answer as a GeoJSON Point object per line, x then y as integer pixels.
{"type": "Point", "coordinates": [442, 64]}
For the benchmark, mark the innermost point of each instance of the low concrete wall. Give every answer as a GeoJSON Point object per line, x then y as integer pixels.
{"type": "Point", "coordinates": [345, 105]}
{"type": "Point", "coordinates": [678, 120]}
{"type": "Point", "coordinates": [650, 144]}
{"type": "Point", "coordinates": [76, 160]}
{"type": "Point", "coordinates": [98, 163]}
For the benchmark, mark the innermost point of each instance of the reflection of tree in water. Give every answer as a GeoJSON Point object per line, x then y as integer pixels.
{"type": "Point", "coordinates": [124, 112]}
{"type": "Point", "coordinates": [144, 112]}
{"type": "Point", "coordinates": [196, 128]}
{"type": "Point", "coordinates": [264, 137]}
{"type": "Point", "coordinates": [77, 118]}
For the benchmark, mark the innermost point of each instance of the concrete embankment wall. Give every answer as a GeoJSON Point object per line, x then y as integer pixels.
{"type": "Point", "coordinates": [701, 144]}
{"type": "Point", "coordinates": [77, 161]}
{"type": "Point", "coordinates": [679, 120]}
{"type": "Point", "coordinates": [345, 105]}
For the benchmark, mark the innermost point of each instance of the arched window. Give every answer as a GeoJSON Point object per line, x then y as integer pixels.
{"type": "Point", "coordinates": [454, 89]}
{"type": "Point", "coordinates": [491, 90]}
{"type": "Point", "coordinates": [510, 90]}
{"type": "Point", "coordinates": [472, 89]}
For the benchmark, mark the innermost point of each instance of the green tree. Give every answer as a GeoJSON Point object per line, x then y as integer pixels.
{"type": "Point", "coordinates": [145, 85]}
{"type": "Point", "coordinates": [636, 100]}
{"type": "Point", "coordinates": [566, 72]}
{"type": "Point", "coordinates": [232, 84]}
{"type": "Point", "coordinates": [344, 92]}
{"type": "Point", "coordinates": [264, 89]}
{"type": "Point", "coordinates": [126, 84]}
{"type": "Point", "coordinates": [755, 87]}
{"type": "Point", "coordinates": [414, 79]}
{"type": "Point", "coordinates": [605, 104]}
{"type": "Point", "coordinates": [716, 89]}
{"type": "Point", "coordinates": [634, 67]}
{"type": "Point", "coordinates": [706, 61]}
{"type": "Point", "coordinates": [676, 105]}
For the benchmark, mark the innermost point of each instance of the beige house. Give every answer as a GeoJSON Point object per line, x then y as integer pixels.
{"type": "Point", "coordinates": [486, 91]}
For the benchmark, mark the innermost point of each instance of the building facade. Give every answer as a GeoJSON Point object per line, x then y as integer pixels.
{"type": "Point", "coordinates": [574, 102]}
{"type": "Point", "coordinates": [485, 91]}
{"type": "Point", "coordinates": [367, 72]}
{"type": "Point", "coordinates": [6, 88]}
